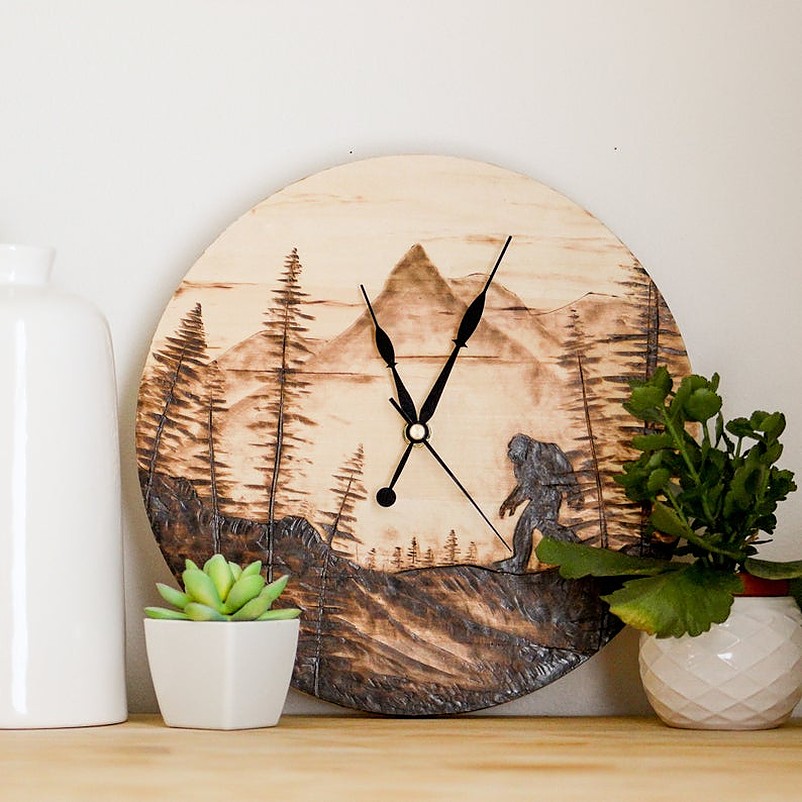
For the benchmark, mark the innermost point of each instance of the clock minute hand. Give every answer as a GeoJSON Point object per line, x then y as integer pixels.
{"type": "Point", "coordinates": [385, 348]}
{"type": "Point", "coordinates": [468, 325]}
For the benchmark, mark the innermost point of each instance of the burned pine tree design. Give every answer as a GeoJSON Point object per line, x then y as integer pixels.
{"type": "Point", "coordinates": [451, 550]}
{"type": "Point", "coordinates": [413, 553]}
{"type": "Point", "coordinates": [339, 526]}
{"type": "Point", "coordinates": [213, 472]}
{"type": "Point", "coordinates": [338, 522]}
{"type": "Point", "coordinates": [276, 426]}
{"type": "Point", "coordinates": [170, 405]}
{"type": "Point", "coordinates": [255, 452]}
{"type": "Point", "coordinates": [178, 435]}
{"type": "Point", "coordinates": [585, 404]}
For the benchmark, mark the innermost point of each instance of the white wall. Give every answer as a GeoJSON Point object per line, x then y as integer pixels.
{"type": "Point", "coordinates": [133, 131]}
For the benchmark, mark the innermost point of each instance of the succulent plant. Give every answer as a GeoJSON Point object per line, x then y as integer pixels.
{"type": "Point", "coordinates": [223, 591]}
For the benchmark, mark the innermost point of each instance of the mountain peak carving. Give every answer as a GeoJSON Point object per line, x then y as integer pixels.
{"type": "Point", "coordinates": [415, 272]}
{"type": "Point", "coordinates": [420, 310]}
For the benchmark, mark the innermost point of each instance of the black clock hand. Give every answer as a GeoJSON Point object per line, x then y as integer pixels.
{"type": "Point", "coordinates": [386, 495]}
{"type": "Point", "coordinates": [468, 325]}
{"type": "Point", "coordinates": [445, 468]}
{"type": "Point", "coordinates": [385, 347]}
{"type": "Point", "coordinates": [464, 491]}
{"type": "Point", "coordinates": [415, 433]}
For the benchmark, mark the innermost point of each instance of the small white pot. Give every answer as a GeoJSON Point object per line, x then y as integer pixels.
{"type": "Point", "coordinates": [228, 675]}
{"type": "Point", "coordinates": [744, 674]}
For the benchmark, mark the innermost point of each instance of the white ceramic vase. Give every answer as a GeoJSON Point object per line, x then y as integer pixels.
{"type": "Point", "coordinates": [743, 674]}
{"type": "Point", "coordinates": [62, 629]}
{"type": "Point", "coordinates": [229, 675]}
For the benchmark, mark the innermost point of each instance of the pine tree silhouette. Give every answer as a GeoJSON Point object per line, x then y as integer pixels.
{"type": "Point", "coordinates": [277, 402]}
{"type": "Point", "coordinates": [348, 490]}
{"type": "Point", "coordinates": [587, 405]}
{"type": "Point", "coordinates": [413, 553]}
{"type": "Point", "coordinates": [212, 476]}
{"type": "Point", "coordinates": [170, 409]}
{"type": "Point", "coordinates": [452, 549]}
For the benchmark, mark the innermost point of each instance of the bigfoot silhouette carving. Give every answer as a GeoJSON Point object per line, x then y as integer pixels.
{"type": "Point", "coordinates": [543, 476]}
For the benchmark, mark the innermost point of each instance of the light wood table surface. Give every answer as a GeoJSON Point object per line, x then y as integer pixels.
{"type": "Point", "coordinates": [358, 758]}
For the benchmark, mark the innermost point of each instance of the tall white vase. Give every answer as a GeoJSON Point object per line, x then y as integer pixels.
{"type": "Point", "coordinates": [62, 633]}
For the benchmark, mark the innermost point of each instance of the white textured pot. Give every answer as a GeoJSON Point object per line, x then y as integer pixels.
{"type": "Point", "coordinates": [744, 674]}
{"type": "Point", "coordinates": [230, 675]}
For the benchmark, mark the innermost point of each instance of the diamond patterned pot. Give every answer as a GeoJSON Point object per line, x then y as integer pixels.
{"type": "Point", "coordinates": [744, 674]}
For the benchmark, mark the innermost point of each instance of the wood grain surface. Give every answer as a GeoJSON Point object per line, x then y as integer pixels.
{"type": "Point", "coordinates": [363, 759]}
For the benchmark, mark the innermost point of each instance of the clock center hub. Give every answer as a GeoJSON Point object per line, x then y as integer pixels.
{"type": "Point", "coordinates": [417, 433]}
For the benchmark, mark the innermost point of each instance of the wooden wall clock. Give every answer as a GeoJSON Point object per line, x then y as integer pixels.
{"type": "Point", "coordinates": [389, 379]}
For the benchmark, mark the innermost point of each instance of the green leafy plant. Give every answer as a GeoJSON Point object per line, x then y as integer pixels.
{"type": "Point", "coordinates": [712, 487]}
{"type": "Point", "coordinates": [223, 591]}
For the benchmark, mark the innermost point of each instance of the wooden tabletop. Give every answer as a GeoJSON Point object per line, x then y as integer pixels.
{"type": "Point", "coordinates": [358, 758]}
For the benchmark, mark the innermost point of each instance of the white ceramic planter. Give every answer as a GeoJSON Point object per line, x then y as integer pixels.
{"type": "Point", "coordinates": [62, 625]}
{"type": "Point", "coordinates": [221, 675]}
{"type": "Point", "coordinates": [744, 674]}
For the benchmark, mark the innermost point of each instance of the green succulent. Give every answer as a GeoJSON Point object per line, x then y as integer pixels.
{"type": "Point", "coordinates": [223, 591]}
{"type": "Point", "coordinates": [711, 486]}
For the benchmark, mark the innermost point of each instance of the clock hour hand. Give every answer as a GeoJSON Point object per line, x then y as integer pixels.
{"type": "Point", "coordinates": [385, 348]}
{"type": "Point", "coordinates": [468, 325]}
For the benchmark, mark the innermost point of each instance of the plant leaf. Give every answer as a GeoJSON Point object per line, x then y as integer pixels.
{"type": "Point", "coordinates": [252, 568]}
{"type": "Point", "coordinates": [662, 378]}
{"type": "Point", "coordinates": [260, 604]}
{"type": "Point", "coordinates": [646, 402]}
{"type": "Point", "coordinates": [702, 404]}
{"type": "Point", "coordinates": [200, 588]}
{"type": "Point", "coordinates": [665, 520]}
{"type": "Point", "coordinates": [577, 560]}
{"type": "Point", "coordinates": [281, 614]}
{"type": "Point", "coordinates": [165, 614]}
{"type": "Point", "coordinates": [652, 442]}
{"type": "Point", "coordinates": [769, 569]}
{"type": "Point", "coordinates": [219, 571]}
{"type": "Point", "coordinates": [740, 427]}
{"type": "Point", "coordinates": [172, 596]}
{"type": "Point", "coordinates": [202, 612]}
{"type": "Point", "coordinates": [658, 479]}
{"type": "Point", "coordinates": [247, 587]}
{"type": "Point", "coordinates": [685, 601]}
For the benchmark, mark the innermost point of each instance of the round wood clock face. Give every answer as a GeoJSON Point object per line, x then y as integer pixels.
{"type": "Point", "coordinates": [390, 379]}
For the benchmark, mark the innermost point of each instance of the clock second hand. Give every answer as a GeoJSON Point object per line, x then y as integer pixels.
{"type": "Point", "coordinates": [467, 495]}
{"type": "Point", "coordinates": [439, 459]}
